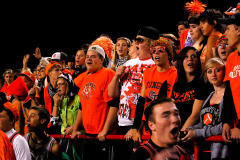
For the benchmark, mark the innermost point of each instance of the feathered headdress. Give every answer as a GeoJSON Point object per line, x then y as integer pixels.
{"type": "Point", "coordinates": [195, 7]}
{"type": "Point", "coordinates": [106, 43]}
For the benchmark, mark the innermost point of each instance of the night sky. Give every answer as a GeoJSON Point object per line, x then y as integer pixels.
{"type": "Point", "coordinates": [66, 26]}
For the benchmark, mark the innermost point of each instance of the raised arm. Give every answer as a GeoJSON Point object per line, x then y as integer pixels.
{"type": "Point", "coordinates": [114, 85]}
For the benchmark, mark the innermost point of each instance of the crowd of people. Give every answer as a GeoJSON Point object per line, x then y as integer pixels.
{"type": "Point", "coordinates": [156, 84]}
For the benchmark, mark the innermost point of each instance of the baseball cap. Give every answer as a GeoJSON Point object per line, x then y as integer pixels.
{"type": "Point", "coordinates": [56, 56]}
{"type": "Point", "coordinates": [149, 32]}
{"type": "Point", "coordinates": [234, 19]}
{"type": "Point", "coordinates": [98, 49]}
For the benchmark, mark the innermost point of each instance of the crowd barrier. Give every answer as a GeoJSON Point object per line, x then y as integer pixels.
{"type": "Point", "coordinates": [144, 138]}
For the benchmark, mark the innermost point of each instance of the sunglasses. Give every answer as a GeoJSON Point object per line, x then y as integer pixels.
{"type": "Point", "coordinates": [159, 50]}
{"type": "Point", "coordinates": [223, 45]}
{"type": "Point", "coordinates": [139, 40]}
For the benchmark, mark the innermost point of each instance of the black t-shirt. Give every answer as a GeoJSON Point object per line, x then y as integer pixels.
{"type": "Point", "coordinates": [142, 154]}
{"type": "Point", "coordinates": [210, 114]}
{"type": "Point", "coordinates": [185, 94]}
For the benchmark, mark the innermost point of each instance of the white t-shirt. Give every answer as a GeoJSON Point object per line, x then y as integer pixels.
{"type": "Point", "coordinates": [131, 82]}
{"type": "Point", "coordinates": [20, 146]}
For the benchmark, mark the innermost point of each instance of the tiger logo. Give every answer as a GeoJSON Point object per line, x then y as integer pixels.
{"type": "Point", "coordinates": [87, 90]}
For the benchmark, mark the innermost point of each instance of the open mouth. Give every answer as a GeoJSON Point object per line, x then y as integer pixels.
{"type": "Point", "coordinates": [137, 48]}
{"type": "Point", "coordinates": [190, 64]}
{"type": "Point", "coordinates": [89, 63]}
{"type": "Point", "coordinates": [175, 132]}
{"type": "Point", "coordinates": [120, 50]}
{"type": "Point", "coordinates": [157, 58]}
{"type": "Point", "coordinates": [223, 53]}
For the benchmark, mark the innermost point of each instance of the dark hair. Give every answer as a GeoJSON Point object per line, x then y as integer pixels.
{"type": "Point", "coordinates": [211, 15]}
{"type": "Point", "coordinates": [180, 69]}
{"type": "Point", "coordinates": [185, 23]}
{"type": "Point", "coordinates": [10, 114]}
{"type": "Point", "coordinates": [149, 109]}
{"type": "Point", "coordinates": [43, 114]}
{"type": "Point", "coordinates": [84, 48]}
{"type": "Point", "coordinates": [3, 100]}
{"type": "Point", "coordinates": [194, 20]}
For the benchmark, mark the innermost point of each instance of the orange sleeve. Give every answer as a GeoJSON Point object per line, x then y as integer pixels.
{"type": "Point", "coordinates": [183, 37]}
{"type": "Point", "coordinates": [6, 149]}
{"type": "Point", "coordinates": [109, 79]}
{"type": "Point", "coordinates": [228, 66]}
{"type": "Point", "coordinates": [79, 79]}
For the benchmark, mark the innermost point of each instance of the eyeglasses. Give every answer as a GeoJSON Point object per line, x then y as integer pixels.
{"type": "Point", "coordinates": [160, 50]}
{"type": "Point", "coordinates": [139, 40]}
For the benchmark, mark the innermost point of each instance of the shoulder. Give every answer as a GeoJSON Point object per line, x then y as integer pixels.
{"type": "Point", "coordinates": [231, 61]}
{"type": "Point", "coordinates": [232, 56]}
{"type": "Point", "coordinates": [80, 77]}
{"type": "Point", "coordinates": [184, 152]}
{"type": "Point", "coordinates": [21, 146]}
{"type": "Point", "coordinates": [131, 62]}
{"type": "Point", "coordinates": [141, 154]}
{"type": "Point", "coordinates": [56, 148]}
{"type": "Point", "coordinates": [173, 70]}
{"type": "Point", "coordinates": [212, 39]}
{"type": "Point", "coordinates": [20, 140]}
{"type": "Point", "coordinates": [150, 70]}
{"type": "Point", "coordinates": [108, 71]}
{"type": "Point", "coordinates": [76, 98]}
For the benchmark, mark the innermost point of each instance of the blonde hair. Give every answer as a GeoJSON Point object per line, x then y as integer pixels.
{"type": "Point", "coordinates": [115, 55]}
{"type": "Point", "coordinates": [213, 62]}
{"type": "Point", "coordinates": [8, 71]}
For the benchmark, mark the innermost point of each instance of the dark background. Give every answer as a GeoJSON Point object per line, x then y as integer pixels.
{"type": "Point", "coordinates": [65, 26]}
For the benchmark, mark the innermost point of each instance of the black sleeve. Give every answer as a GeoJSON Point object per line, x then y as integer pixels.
{"type": "Point", "coordinates": [139, 113]}
{"type": "Point", "coordinates": [80, 106]}
{"type": "Point", "coordinates": [228, 111]}
{"type": "Point", "coordinates": [114, 102]}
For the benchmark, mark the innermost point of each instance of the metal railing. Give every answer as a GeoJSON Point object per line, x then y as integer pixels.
{"type": "Point", "coordinates": [144, 138]}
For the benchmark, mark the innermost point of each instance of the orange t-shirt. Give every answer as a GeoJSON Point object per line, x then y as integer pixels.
{"type": "Point", "coordinates": [6, 148]}
{"type": "Point", "coordinates": [93, 95]}
{"type": "Point", "coordinates": [233, 75]}
{"type": "Point", "coordinates": [6, 91]}
{"type": "Point", "coordinates": [154, 79]}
